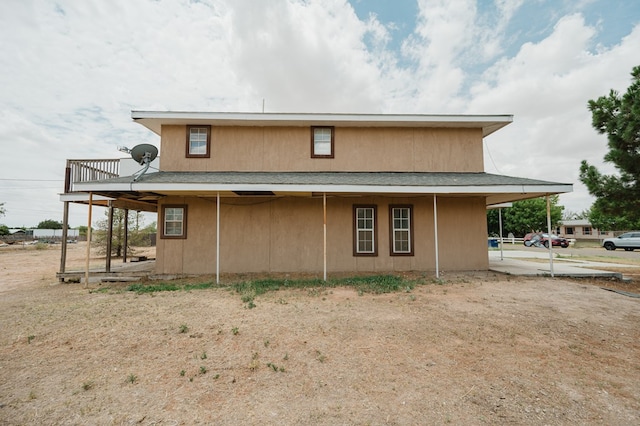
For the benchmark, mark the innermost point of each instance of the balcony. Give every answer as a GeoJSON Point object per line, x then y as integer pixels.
{"type": "Point", "coordinates": [78, 171]}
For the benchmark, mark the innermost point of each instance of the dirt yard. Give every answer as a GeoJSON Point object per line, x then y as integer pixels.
{"type": "Point", "coordinates": [474, 349]}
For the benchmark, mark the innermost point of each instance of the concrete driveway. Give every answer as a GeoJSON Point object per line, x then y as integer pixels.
{"type": "Point", "coordinates": [534, 261]}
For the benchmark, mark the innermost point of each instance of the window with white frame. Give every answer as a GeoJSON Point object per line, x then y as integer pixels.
{"type": "Point", "coordinates": [198, 141]}
{"type": "Point", "coordinates": [364, 231]}
{"type": "Point", "coordinates": [322, 142]}
{"type": "Point", "coordinates": [569, 230]}
{"type": "Point", "coordinates": [174, 221]}
{"type": "Point", "coordinates": [586, 230]}
{"type": "Point", "coordinates": [401, 230]}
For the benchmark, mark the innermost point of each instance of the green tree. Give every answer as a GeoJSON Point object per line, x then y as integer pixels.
{"type": "Point", "coordinates": [137, 235]}
{"type": "Point", "coordinates": [49, 224]}
{"type": "Point", "coordinates": [4, 229]}
{"type": "Point", "coordinates": [525, 216]}
{"type": "Point", "coordinates": [569, 215]}
{"type": "Point", "coordinates": [617, 205]}
{"type": "Point", "coordinates": [82, 230]}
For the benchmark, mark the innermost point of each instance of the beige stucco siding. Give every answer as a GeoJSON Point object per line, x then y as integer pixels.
{"type": "Point", "coordinates": [356, 149]}
{"type": "Point", "coordinates": [285, 235]}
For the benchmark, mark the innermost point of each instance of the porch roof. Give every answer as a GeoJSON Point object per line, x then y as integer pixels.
{"type": "Point", "coordinates": [497, 188]}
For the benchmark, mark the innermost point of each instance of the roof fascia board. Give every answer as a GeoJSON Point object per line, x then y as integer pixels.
{"type": "Point", "coordinates": [153, 120]}
{"type": "Point", "coordinates": [369, 189]}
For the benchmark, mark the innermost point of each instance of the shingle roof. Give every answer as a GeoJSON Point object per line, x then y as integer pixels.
{"type": "Point", "coordinates": [334, 178]}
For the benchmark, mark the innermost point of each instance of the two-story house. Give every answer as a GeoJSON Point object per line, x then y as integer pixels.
{"type": "Point", "coordinates": [276, 192]}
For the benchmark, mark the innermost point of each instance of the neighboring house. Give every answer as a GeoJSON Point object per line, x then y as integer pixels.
{"type": "Point", "coordinates": [271, 192]}
{"type": "Point", "coordinates": [581, 229]}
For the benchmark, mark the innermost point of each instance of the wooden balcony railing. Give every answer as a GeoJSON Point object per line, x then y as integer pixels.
{"type": "Point", "coordinates": [89, 170]}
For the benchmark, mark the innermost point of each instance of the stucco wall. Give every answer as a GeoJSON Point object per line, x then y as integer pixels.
{"type": "Point", "coordinates": [356, 149]}
{"type": "Point", "coordinates": [285, 235]}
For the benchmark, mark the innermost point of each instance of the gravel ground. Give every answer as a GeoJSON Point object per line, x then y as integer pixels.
{"type": "Point", "coordinates": [476, 348]}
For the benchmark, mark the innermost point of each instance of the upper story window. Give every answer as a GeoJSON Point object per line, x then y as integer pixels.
{"type": "Point", "coordinates": [322, 142]}
{"type": "Point", "coordinates": [199, 141]}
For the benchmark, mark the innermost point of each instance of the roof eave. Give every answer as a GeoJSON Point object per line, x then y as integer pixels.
{"type": "Point", "coordinates": [153, 120]}
{"type": "Point", "coordinates": [484, 190]}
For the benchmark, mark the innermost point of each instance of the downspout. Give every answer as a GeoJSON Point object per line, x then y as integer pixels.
{"type": "Point", "coordinates": [218, 238]}
{"type": "Point", "coordinates": [435, 233]}
{"type": "Point", "coordinates": [324, 234]}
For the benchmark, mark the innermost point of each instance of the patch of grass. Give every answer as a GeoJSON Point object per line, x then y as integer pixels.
{"type": "Point", "coordinates": [375, 284]}
{"type": "Point", "coordinates": [182, 373]}
{"type": "Point", "coordinates": [132, 378]}
{"type": "Point", "coordinates": [87, 385]}
{"type": "Point", "coordinates": [203, 369]}
{"type": "Point", "coordinates": [140, 288]}
{"type": "Point", "coordinates": [30, 338]}
{"type": "Point", "coordinates": [235, 331]}
{"type": "Point", "coordinates": [100, 290]}
{"type": "Point", "coordinates": [275, 367]}
{"type": "Point", "coordinates": [203, 355]}
{"type": "Point", "coordinates": [152, 288]}
{"type": "Point", "coordinates": [183, 328]}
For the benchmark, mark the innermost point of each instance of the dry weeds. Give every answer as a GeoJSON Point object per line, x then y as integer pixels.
{"type": "Point", "coordinates": [475, 349]}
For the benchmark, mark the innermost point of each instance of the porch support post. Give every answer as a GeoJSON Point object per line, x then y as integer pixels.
{"type": "Point", "coordinates": [107, 266]}
{"type": "Point", "coordinates": [435, 233]}
{"type": "Point", "coordinates": [550, 240]}
{"type": "Point", "coordinates": [500, 222]}
{"type": "Point", "coordinates": [126, 235]}
{"type": "Point", "coordinates": [218, 238]}
{"type": "Point", "coordinates": [86, 266]}
{"type": "Point", "coordinates": [65, 221]}
{"type": "Point", "coordinates": [324, 234]}
{"type": "Point", "coordinates": [65, 226]}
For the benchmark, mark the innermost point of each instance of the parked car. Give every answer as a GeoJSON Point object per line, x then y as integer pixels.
{"type": "Point", "coordinates": [536, 238]}
{"type": "Point", "coordinates": [628, 241]}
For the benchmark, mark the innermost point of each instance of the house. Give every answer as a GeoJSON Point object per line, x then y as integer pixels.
{"type": "Point", "coordinates": [581, 229]}
{"type": "Point", "coordinates": [313, 193]}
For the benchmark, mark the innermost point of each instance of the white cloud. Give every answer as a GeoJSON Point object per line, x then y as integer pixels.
{"type": "Point", "coordinates": [70, 72]}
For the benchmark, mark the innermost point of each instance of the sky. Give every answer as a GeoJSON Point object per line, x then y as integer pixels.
{"type": "Point", "coordinates": [71, 72]}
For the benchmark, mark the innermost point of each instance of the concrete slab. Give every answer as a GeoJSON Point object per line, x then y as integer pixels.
{"type": "Point", "coordinates": [514, 262]}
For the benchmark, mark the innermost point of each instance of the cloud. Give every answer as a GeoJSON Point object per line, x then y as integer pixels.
{"type": "Point", "coordinates": [71, 71]}
{"type": "Point", "coordinates": [307, 56]}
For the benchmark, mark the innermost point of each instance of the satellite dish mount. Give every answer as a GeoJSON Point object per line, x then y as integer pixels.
{"type": "Point", "coordinates": [143, 154]}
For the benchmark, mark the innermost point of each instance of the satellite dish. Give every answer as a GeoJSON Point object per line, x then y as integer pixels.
{"type": "Point", "coordinates": [144, 153]}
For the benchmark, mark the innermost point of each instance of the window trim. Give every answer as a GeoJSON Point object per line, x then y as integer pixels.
{"type": "Point", "coordinates": [313, 151]}
{"type": "Point", "coordinates": [163, 234]}
{"type": "Point", "coordinates": [207, 154]}
{"type": "Point", "coordinates": [392, 251]}
{"type": "Point", "coordinates": [355, 230]}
